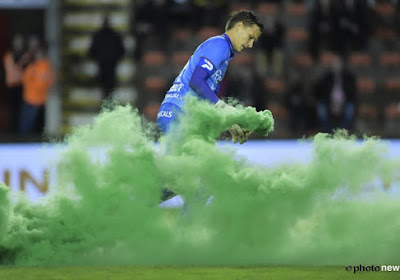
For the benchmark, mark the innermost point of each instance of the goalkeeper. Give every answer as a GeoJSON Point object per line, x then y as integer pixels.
{"type": "Point", "coordinates": [206, 69]}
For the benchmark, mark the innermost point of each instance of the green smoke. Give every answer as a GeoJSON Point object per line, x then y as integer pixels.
{"type": "Point", "coordinates": [336, 209]}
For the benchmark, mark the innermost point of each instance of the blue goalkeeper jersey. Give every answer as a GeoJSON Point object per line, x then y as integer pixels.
{"type": "Point", "coordinates": [213, 55]}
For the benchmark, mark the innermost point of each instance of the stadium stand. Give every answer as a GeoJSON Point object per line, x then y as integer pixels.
{"type": "Point", "coordinates": [376, 67]}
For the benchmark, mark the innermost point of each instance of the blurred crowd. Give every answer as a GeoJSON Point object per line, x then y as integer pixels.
{"type": "Point", "coordinates": [318, 65]}
{"type": "Point", "coordinates": [300, 68]}
{"type": "Point", "coordinates": [28, 75]}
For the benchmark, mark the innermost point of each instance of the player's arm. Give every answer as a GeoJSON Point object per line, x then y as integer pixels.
{"type": "Point", "coordinates": [198, 82]}
{"type": "Point", "coordinates": [211, 54]}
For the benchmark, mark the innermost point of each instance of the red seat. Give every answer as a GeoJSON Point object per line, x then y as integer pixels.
{"type": "Point", "coordinates": [153, 58]}
{"type": "Point", "coordinates": [179, 58]}
{"type": "Point", "coordinates": [302, 59]}
{"type": "Point", "coordinates": [386, 33]}
{"type": "Point", "coordinates": [266, 9]}
{"type": "Point", "coordinates": [297, 34]}
{"type": "Point", "coordinates": [366, 85]}
{"type": "Point", "coordinates": [360, 59]}
{"type": "Point", "coordinates": [296, 9]}
{"type": "Point", "coordinates": [327, 58]}
{"type": "Point", "coordinates": [392, 111]}
{"type": "Point", "coordinates": [181, 34]}
{"type": "Point", "coordinates": [385, 9]}
{"type": "Point", "coordinates": [389, 59]}
{"type": "Point", "coordinates": [278, 111]}
{"type": "Point", "coordinates": [155, 84]}
{"type": "Point", "coordinates": [208, 31]}
{"type": "Point", "coordinates": [274, 85]}
{"type": "Point", "coordinates": [151, 110]}
{"type": "Point", "coordinates": [392, 84]}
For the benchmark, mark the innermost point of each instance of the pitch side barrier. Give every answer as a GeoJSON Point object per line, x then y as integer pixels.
{"type": "Point", "coordinates": [31, 168]}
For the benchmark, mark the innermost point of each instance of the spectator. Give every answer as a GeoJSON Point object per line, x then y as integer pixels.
{"type": "Point", "coordinates": [106, 49]}
{"type": "Point", "coordinates": [336, 96]}
{"type": "Point", "coordinates": [352, 25]}
{"type": "Point", "coordinates": [12, 62]}
{"type": "Point", "coordinates": [37, 79]}
{"type": "Point", "coordinates": [323, 27]}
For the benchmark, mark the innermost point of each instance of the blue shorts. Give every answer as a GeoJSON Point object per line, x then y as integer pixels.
{"type": "Point", "coordinates": [167, 114]}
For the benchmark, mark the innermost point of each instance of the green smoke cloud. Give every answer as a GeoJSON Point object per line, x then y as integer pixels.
{"type": "Point", "coordinates": [336, 209]}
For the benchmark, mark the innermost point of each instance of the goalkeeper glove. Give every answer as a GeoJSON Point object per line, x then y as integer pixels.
{"type": "Point", "coordinates": [239, 134]}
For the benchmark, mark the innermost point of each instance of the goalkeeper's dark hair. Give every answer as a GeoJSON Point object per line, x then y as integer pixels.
{"type": "Point", "coordinates": [247, 17]}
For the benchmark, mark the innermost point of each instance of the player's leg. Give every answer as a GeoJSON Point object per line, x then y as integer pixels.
{"type": "Point", "coordinates": [167, 115]}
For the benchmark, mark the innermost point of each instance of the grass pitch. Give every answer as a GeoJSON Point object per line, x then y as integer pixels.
{"type": "Point", "coordinates": [187, 272]}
